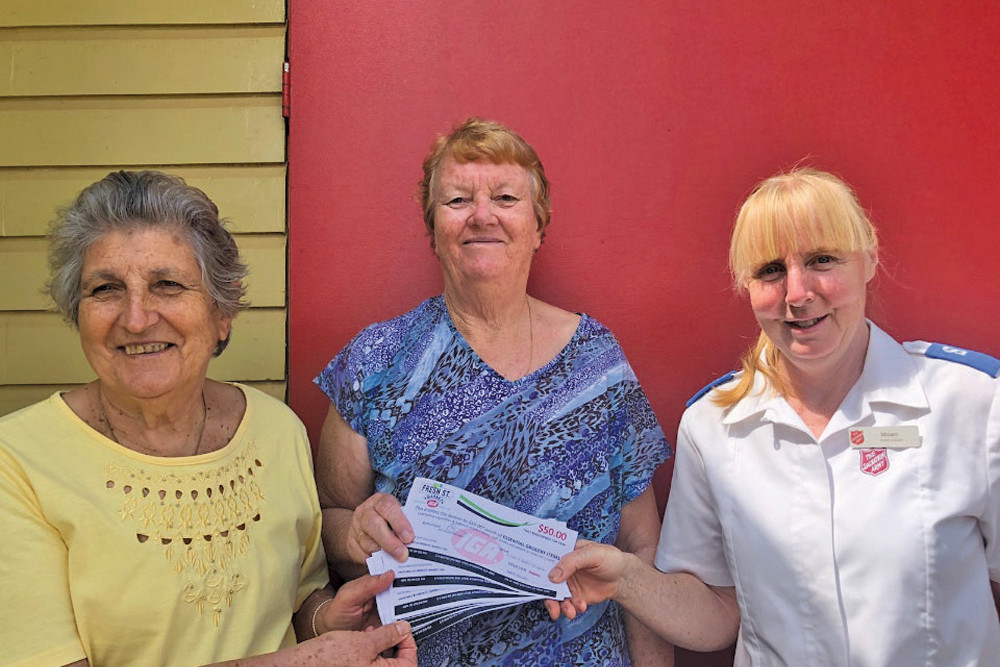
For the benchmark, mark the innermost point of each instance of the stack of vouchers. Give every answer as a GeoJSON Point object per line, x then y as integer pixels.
{"type": "Point", "coordinates": [470, 555]}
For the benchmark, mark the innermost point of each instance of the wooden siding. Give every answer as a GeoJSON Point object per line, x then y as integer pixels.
{"type": "Point", "coordinates": [189, 87]}
{"type": "Point", "coordinates": [131, 12]}
{"type": "Point", "coordinates": [136, 130]}
{"type": "Point", "coordinates": [118, 61]}
{"type": "Point", "coordinates": [251, 197]}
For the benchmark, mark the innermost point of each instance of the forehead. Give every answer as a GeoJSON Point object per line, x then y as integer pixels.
{"type": "Point", "coordinates": [784, 238]}
{"type": "Point", "coordinates": [480, 173]}
{"type": "Point", "coordinates": [144, 249]}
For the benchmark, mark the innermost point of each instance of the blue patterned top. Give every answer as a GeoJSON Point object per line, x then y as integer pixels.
{"type": "Point", "coordinates": [575, 440]}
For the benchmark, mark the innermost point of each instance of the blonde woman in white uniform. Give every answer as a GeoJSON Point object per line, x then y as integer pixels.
{"type": "Point", "coordinates": [837, 501]}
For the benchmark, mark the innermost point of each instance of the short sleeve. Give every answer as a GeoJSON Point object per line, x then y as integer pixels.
{"type": "Point", "coordinates": [691, 539]}
{"type": "Point", "coordinates": [37, 625]}
{"type": "Point", "coordinates": [313, 574]}
{"type": "Point", "coordinates": [644, 447]}
{"type": "Point", "coordinates": [990, 522]}
{"type": "Point", "coordinates": [342, 380]}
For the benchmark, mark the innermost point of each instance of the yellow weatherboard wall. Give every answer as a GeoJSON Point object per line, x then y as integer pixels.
{"type": "Point", "coordinates": [192, 87]}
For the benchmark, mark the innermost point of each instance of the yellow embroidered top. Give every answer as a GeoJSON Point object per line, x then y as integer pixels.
{"type": "Point", "coordinates": [128, 559]}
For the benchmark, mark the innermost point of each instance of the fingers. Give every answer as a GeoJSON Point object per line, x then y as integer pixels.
{"type": "Point", "coordinates": [379, 523]}
{"type": "Point", "coordinates": [387, 636]}
{"type": "Point", "coordinates": [570, 607]}
{"type": "Point", "coordinates": [552, 606]}
{"type": "Point", "coordinates": [564, 569]}
{"type": "Point", "coordinates": [573, 561]}
{"type": "Point", "coordinates": [360, 592]}
{"type": "Point", "coordinates": [406, 652]}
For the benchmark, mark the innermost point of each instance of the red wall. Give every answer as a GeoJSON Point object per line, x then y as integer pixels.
{"type": "Point", "coordinates": [653, 119]}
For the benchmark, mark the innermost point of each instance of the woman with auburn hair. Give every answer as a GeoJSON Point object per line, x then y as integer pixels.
{"type": "Point", "coordinates": [489, 389]}
{"type": "Point", "coordinates": [836, 501]}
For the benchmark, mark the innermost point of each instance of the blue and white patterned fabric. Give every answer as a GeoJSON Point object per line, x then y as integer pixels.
{"type": "Point", "coordinates": [575, 440]}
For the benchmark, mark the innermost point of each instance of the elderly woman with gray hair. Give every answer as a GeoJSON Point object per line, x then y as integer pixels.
{"type": "Point", "coordinates": [153, 516]}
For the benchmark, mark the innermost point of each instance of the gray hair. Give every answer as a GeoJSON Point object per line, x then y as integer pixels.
{"type": "Point", "coordinates": [131, 200]}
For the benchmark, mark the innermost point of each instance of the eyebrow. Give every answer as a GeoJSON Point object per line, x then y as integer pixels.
{"type": "Point", "coordinates": [105, 274]}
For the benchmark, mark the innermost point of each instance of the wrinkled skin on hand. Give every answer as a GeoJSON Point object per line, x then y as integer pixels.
{"type": "Point", "coordinates": [379, 523]}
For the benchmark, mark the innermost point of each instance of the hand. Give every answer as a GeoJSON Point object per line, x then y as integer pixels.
{"type": "Point", "coordinates": [353, 608]}
{"type": "Point", "coordinates": [593, 572]}
{"type": "Point", "coordinates": [364, 649]}
{"type": "Point", "coordinates": [379, 523]}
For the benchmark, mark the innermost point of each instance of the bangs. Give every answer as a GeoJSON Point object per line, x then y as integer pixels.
{"type": "Point", "coordinates": [793, 213]}
{"type": "Point", "coordinates": [494, 147]}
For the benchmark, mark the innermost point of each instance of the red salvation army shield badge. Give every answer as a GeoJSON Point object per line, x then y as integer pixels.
{"type": "Point", "coordinates": [874, 461]}
{"type": "Point", "coordinates": [857, 437]}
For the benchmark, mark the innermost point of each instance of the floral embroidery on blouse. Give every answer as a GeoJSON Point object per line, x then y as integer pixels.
{"type": "Point", "coordinates": [201, 520]}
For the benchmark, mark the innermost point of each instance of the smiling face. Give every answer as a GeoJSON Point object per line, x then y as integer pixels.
{"type": "Point", "coordinates": [811, 305]}
{"type": "Point", "coordinates": [484, 222]}
{"type": "Point", "coordinates": [147, 324]}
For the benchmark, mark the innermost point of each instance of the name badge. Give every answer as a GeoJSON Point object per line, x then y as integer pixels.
{"type": "Point", "coordinates": [885, 437]}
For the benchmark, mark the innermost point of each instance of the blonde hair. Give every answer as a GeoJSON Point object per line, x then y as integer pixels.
{"type": "Point", "coordinates": [479, 139]}
{"type": "Point", "coordinates": [803, 205]}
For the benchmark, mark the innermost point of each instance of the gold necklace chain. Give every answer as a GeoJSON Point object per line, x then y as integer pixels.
{"type": "Point", "coordinates": [531, 336]}
{"type": "Point", "coordinates": [114, 436]}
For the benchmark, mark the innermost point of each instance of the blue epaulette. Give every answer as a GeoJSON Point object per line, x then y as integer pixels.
{"type": "Point", "coordinates": [978, 360]}
{"type": "Point", "coordinates": [709, 387]}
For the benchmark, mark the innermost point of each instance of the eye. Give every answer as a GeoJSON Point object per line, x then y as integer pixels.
{"type": "Point", "coordinates": [168, 286]}
{"type": "Point", "coordinates": [770, 272]}
{"type": "Point", "coordinates": [506, 200]}
{"type": "Point", "coordinates": [455, 202]}
{"type": "Point", "coordinates": [823, 262]}
{"type": "Point", "coordinates": [103, 290]}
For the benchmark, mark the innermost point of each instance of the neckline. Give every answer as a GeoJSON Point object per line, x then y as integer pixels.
{"type": "Point", "coordinates": [102, 399]}
{"type": "Point", "coordinates": [443, 309]}
{"type": "Point", "coordinates": [207, 457]}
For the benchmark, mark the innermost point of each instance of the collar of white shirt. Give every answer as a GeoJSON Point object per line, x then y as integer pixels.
{"type": "Point", "coordinates": [890, 378]}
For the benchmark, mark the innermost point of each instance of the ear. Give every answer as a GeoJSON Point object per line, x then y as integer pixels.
{"type": "Point", "coordinates": [225, 326]}
{"type": "Point", "coordinates": [871, 266]}
{"type": "Point", "coordinates": [539, 235]}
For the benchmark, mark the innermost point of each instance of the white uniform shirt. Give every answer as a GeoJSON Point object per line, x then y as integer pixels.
{"type": "Point", "coordinates": [834, 565]}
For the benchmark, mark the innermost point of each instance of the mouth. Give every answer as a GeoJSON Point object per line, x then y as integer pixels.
{"type": "Point", "coordinates": [805, 324]}
{"type": "Point", "coordinates": [480, 240]}
{"type": "Point", "coordinates": [143, 348]}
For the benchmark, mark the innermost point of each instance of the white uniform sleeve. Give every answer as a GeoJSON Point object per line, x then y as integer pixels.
{"type": "Point", "coordinates": [990, 522]}
{"type": "Point", "coordinates": [691, 539]}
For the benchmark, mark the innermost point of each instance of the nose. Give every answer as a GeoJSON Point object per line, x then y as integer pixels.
{"type": "Point", "coordinates": [140, 313]}
{"type": "Point", "coordinates": [798, 286]}
{"type": "Point", "coordinates": [482, 212]}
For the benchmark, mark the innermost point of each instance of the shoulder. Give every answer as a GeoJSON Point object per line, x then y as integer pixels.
{"type": "Point", "coordinates": [28, 413]}
{"type": "Point", "coordinates": [265, 413]}
{"type": "Point", "coordinates": [269, 423]}
{"type": "Point", "coordinates": [955, 379]}
{"type": "Point", "coordinates": [595, 338]}
{"type": "Point", "coordinates": [953, 358]}
{"type": "Point", "coordinates": [43, 435]}
{"type": "Point", "coordinates": [28, 419]}
{"type": "Point", "coordinates": [374, 347]}
{"type": "Point", "coordinates": [384, 338]}
{"type": "Point", "coordinates": [263, 403]}
{"type": "Point", "coordinates": [728, 377]}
